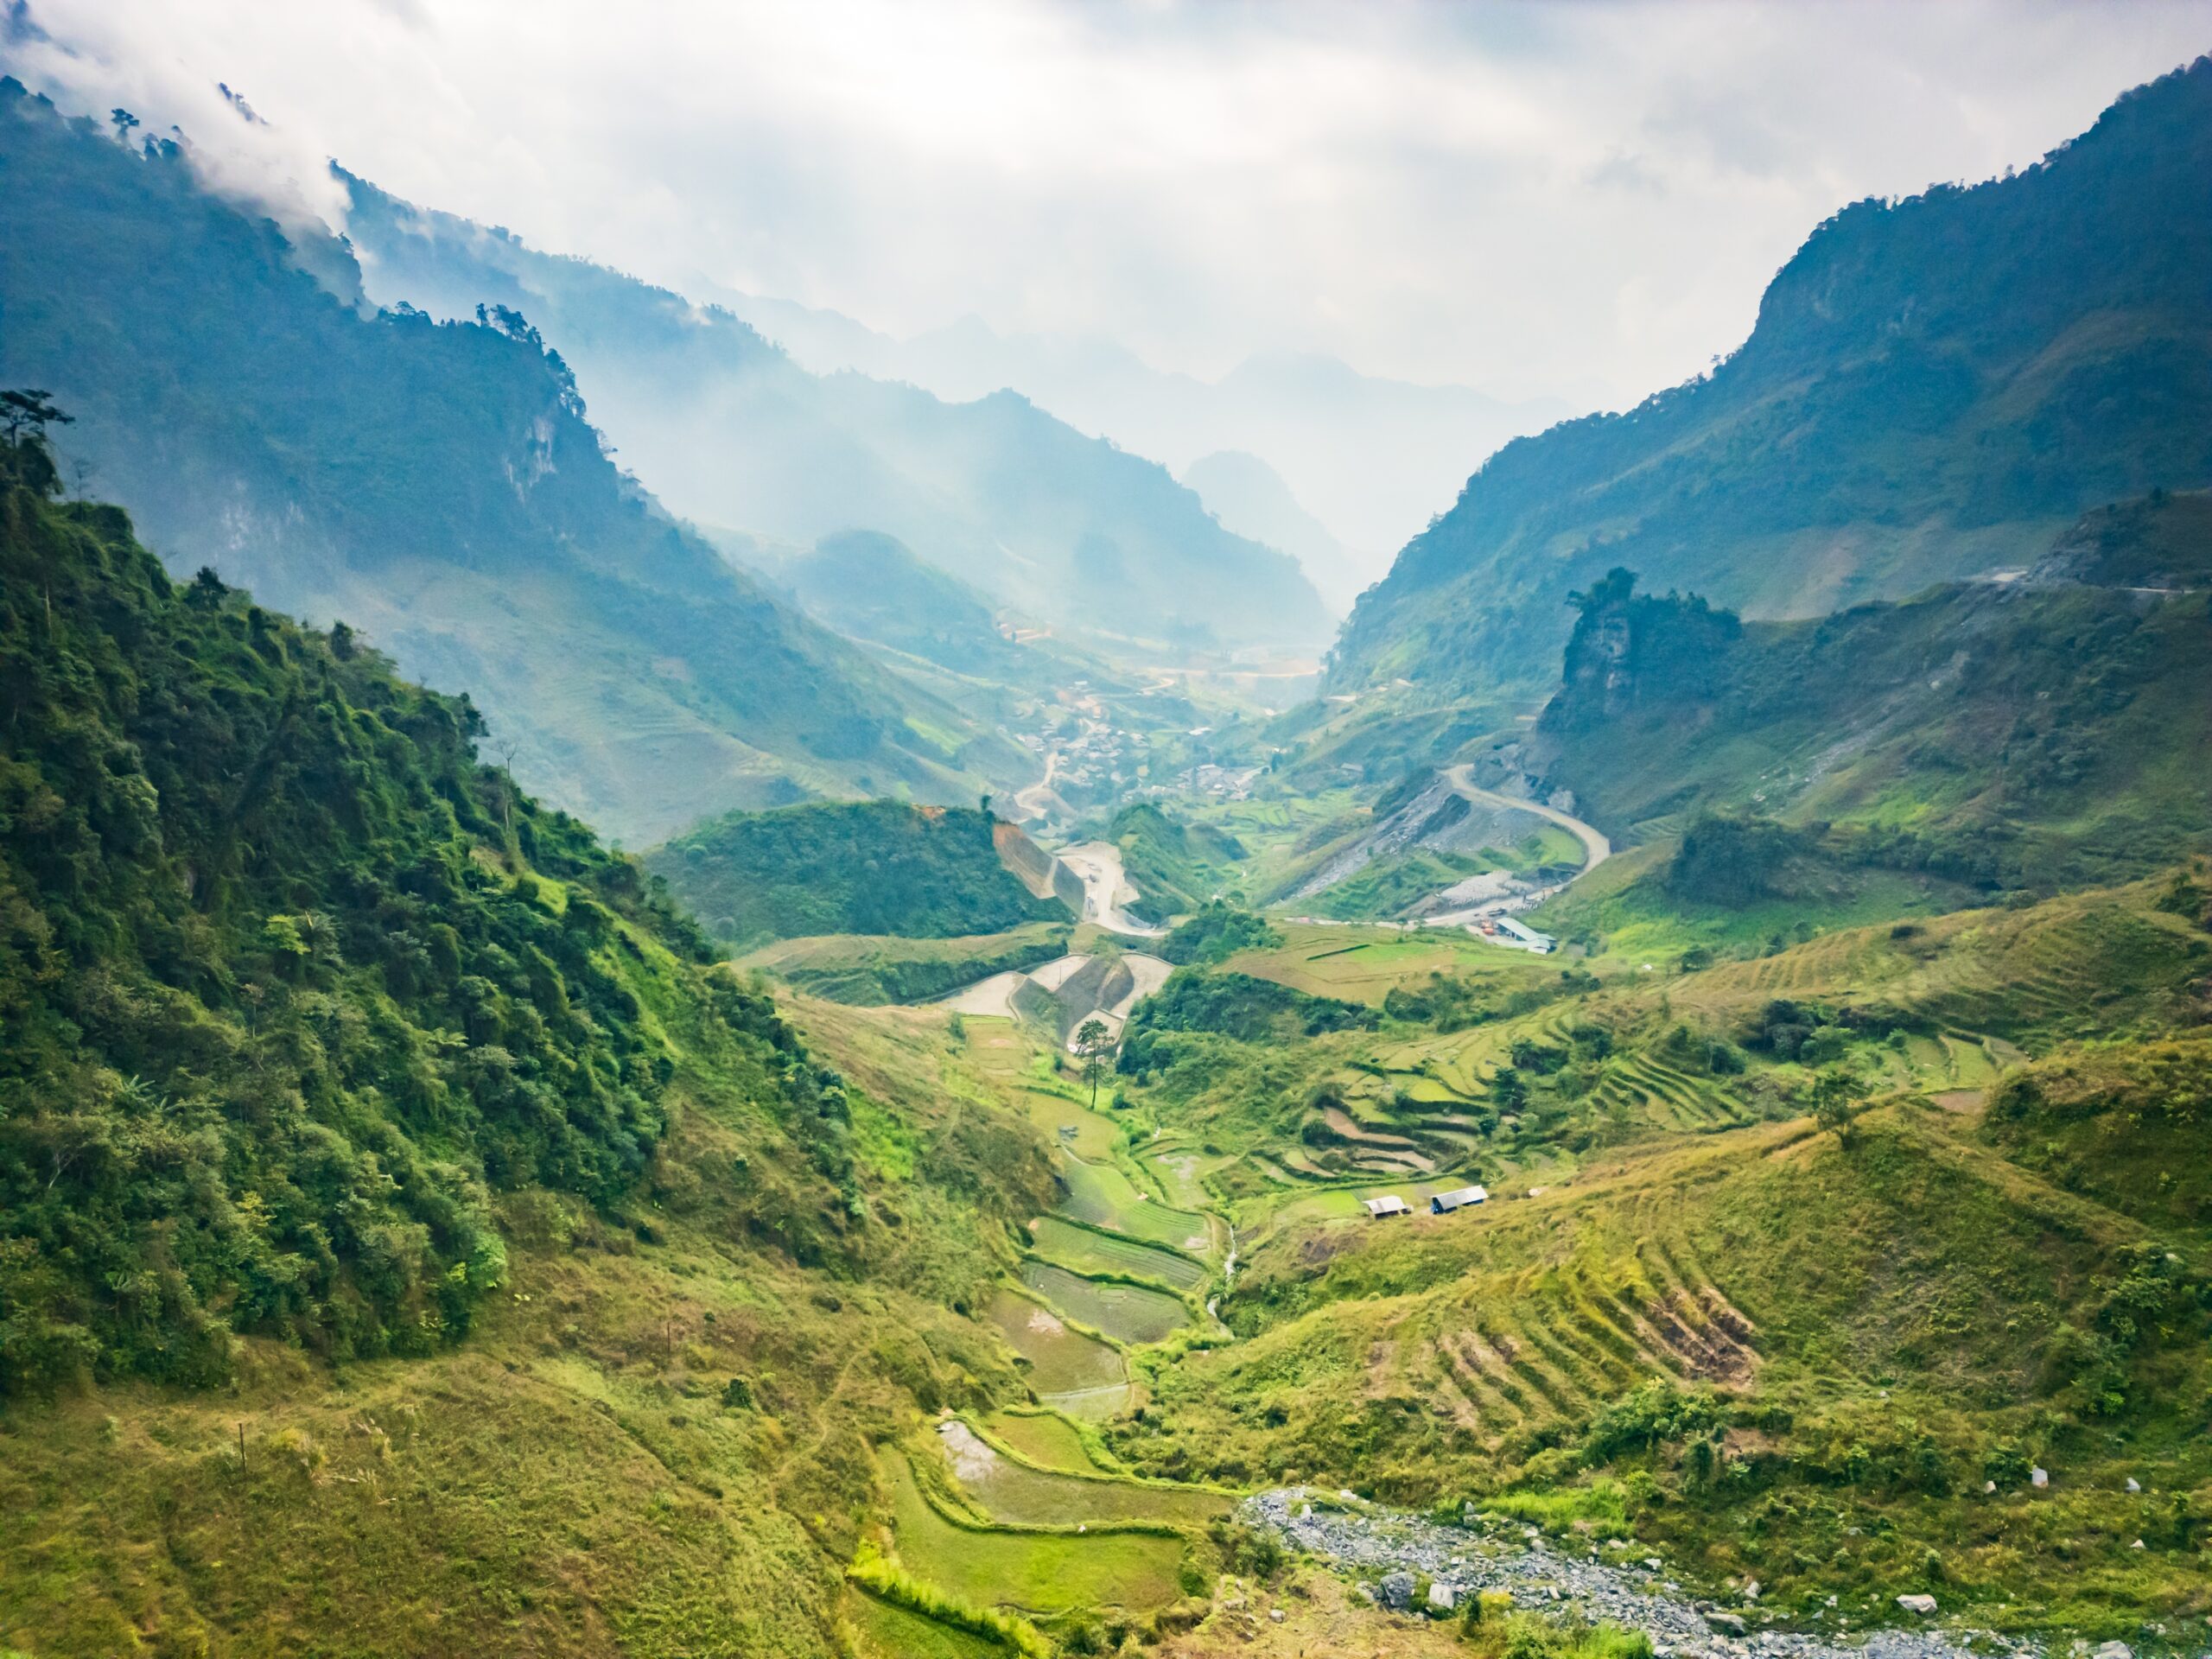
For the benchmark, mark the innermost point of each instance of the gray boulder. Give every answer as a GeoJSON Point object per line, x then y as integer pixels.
{"type": "Point", "coordinates": [1397, 1590]}
{"type": "Point", "coordinates": [1921, 1605]}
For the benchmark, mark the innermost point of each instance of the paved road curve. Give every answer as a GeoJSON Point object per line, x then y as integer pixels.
{"type": "Point", "coordinates": [1595, 848]}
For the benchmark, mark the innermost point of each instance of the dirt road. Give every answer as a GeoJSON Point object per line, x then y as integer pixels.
{"type": "Point", "coordinates": [1097, 865]}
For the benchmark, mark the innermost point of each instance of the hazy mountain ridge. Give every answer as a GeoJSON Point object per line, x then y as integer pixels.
{"type": "Point", "coordinates": [1252, 498]}
{"type": "Point", "coordinates": [439, 485]}
{"type": "Point", "coordinates": [1373, 457]}
{"type": "Point", "coordinates": [1933, 388]}
{"type": "Point", "coordinates": [731, 431]}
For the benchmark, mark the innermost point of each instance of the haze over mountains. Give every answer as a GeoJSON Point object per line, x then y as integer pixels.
{"type": "Point", "coordinates": [1666, 1110]}
{"type": "Point", "coordinates": [1375, 458]}
{"type": "Point", "coordinates": [733, 432]}
{"type": "Point", "coordinates": [440, 487]}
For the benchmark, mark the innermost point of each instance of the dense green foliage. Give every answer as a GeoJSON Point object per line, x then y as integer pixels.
{"type": "Point", "coordinates": [1176, 867]}
{"type": "Point", "coordinates": [1229, 1005]}
{"type": "Point", "coordinates": [288, 983]}
{"type": "Point", "coordinates": [1216, 933]}
{"type": "Point", "coordinates": [852, 866]}
{"type": "Point", "coordinates": [1932, 387]}
{"type": "Point", "coordinates": [436, 485]}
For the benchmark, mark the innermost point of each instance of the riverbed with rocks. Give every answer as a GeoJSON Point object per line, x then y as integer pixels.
{"type": "Point", "coordinates": [1388, 1553]}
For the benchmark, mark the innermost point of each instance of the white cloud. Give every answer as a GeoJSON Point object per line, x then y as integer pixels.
{"type": "Point", "coordinates": [1584, 201]}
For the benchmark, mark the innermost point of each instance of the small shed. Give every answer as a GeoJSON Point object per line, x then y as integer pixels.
{"type": "Point", "coordinates": [1443, 1204]}
{"type": "Point", "coordinates": [1389, 1204]}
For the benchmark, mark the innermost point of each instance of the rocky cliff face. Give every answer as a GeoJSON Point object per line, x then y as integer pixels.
{"type": "Point", "coordinates": [1629, 649]}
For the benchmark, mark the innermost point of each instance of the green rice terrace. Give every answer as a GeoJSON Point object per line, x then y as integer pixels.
{"type": "Point", "coordinates": [1677, 1307]}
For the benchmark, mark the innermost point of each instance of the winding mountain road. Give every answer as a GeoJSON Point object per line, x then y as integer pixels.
{"type": "Point", "coordinates": [1595, 846]}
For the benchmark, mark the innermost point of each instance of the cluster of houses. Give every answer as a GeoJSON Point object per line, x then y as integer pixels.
{"type": "Point", "coordinates": [1440, 1203]}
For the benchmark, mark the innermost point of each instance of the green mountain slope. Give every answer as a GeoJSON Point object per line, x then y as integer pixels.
{"type": "Point", "coordinates": [2037, 734]}
{"type": "Point", "coordinates": [554, 1289]}
{"type": "Point", "coordinates": [1782, 1346]}
{"type": "Point", "coordinates": [997, 493]}
{"type": "Point", "coordinates": [865, 866]}
{"type": "Point", "coordinates": [1933, 387]}
{"type": "Point", "coordinates": [437, 485]}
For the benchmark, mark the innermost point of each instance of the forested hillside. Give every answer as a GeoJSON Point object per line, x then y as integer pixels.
{"type": "Point", "coordinates": [322, 1044]}
{"type": "Point", "coordinates": [2039, 733]}
{"type": "Point", "coordinates": [732, 431]}
{"type": "Point", "coordinates": [438, 486]}
{"type": "Point", "coordinates": [294, 984]}
{"type": "Point", "coordinates": [1934, 388]}
{"type": "Point", "coordinates": [862, 867]}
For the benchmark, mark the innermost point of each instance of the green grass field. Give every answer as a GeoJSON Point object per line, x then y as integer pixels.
{"type": "Point", "coordinates": [1007, 1490]}
{"type": "Point", "coordinates": [1063, 1361]}
{"type": "Point", "coordinates": [1360, 964]}
{"type": "Point", "coordinates": [879, 1630]}
{"type": "Point", "coordinates": [1126, 1313]}
{"type": "Point", "coordinates": [1084, 1251]}
{"type": "Point", "coordinates": [1042, 1573]}
{"type": "Point", "coordinates": [1104, 1197]}
{"type": "Point", "coordinates": [1045, 1438]}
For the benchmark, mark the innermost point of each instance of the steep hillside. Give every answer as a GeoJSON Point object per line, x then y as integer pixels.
{"type": "Point", "coordinates": [865, 866]}
{"type": "Point", "coordinates": [871, 586]}
{"type": "Point", "coordinates": [2032, 734]}
{"type": "Point", "coordinates": [1254, 499]}
{"type": "Point", "coordinates": [1176, 867]}
{"type": "Point", "coordinates": [1933, 387]}
{"type": "Point", "coordinates": [437, 486]}
{"type": "Point", "coordinates": [1793, 1266]}
{"type": "Point", "coordinates": [553, 1287]}
{"type": "Point", "coordinates": [995, 492]}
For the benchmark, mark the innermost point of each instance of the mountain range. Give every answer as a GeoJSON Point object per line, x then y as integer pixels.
{"type": "Point", "coordinates": [733, 432]}
{"type": "Point", "coordinates": [437, 484]}
{"type": "Point", "coordinates": [1934, 389]}
{"type": "Point", "coordinates": [1375, 458]}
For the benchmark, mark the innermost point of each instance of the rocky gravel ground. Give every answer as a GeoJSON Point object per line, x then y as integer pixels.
{"type": "Point", "coordinates": [1390, 1554]}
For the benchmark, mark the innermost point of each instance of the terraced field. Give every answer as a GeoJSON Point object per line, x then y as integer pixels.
{"type": "Point", "coordinates": [1041, 1572]}
{"type": "Point", "coordinates": [884, 1631]}
{"type": "Point", "coordinates": [1666, 1097]}
{"type": "Point", "coordinates": [1182, 1171]}
{"type": "Point", "coordinates": [1010, 1491]}
{"type": "Point", "coordinates": [1088, 1252]}
{"type": "Point", "coordinates": [1079, 1374]}
{"type": "Point", "coordinates": [1125, 1313]}
{"type": "Point", "coordinates": [1089, 1136]}
{"type": "Point", "coordinates": [1570, 1340]}
{"type": "Point", "coordinates": [1103, 1196]}
{"type": "Point", "coordinates": [1364, 964]}
{"type": "Point", "coordinates": [2072, 964]}
{"type": "Point", "coordinates": [1044, 1437]}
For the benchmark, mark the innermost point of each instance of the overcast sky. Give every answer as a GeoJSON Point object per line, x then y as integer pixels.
{"type": "Point", "coordinates": [1583, 199]}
